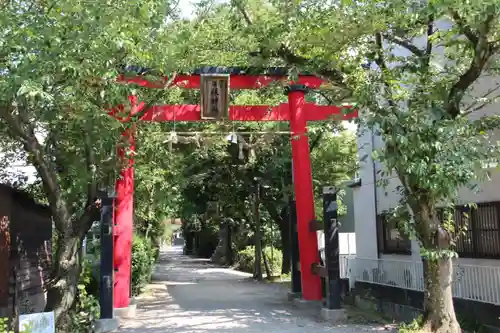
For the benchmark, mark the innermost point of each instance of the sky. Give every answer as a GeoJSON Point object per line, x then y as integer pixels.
{"type": "Point", "coordinates": [186, 7]}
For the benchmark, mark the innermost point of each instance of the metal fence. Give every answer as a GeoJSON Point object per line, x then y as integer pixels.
{"type": "Point", "coordinates": [345, 261]}
{"type": "Point", "coordinates": [472, 282]}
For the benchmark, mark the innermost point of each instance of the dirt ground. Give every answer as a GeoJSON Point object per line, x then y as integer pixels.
{"type": "Point", "coordinates": [192, 296]}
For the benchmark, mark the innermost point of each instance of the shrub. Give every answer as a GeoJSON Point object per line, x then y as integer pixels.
{"type": "Point", "coordinates": [4, 327]}
{"type": "Point", "coordinates": [86, 310]}
{"type": "Point", "coordinates": [143, 259]}
{"type": "Point", "coordinates": [246, 260]}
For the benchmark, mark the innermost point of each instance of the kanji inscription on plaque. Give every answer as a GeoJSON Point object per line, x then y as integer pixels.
{"type": "Point", "coordinates": [214, 96]}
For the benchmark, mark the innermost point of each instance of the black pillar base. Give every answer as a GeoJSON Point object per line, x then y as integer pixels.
{"type": "Point", "coordinates": [106, 271]}
{"type": "Point", "coordinates": [332, 259]}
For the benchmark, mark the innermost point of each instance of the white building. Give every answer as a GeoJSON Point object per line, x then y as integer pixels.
{"type": "Point", "coordinates": [385, 257]}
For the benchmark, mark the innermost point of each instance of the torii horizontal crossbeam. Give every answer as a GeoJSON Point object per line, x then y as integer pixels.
{"type": "Point", "coordinates": [235, 82]}
{"type": "Point", "coordinates": [240, 77]}
{"type": "Point", "coordinates": [281, 112]}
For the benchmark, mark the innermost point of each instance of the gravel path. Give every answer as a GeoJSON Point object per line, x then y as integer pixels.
{"type": "Point", "coordinates": [191, 296]}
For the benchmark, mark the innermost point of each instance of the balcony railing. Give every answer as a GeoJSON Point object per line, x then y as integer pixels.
{"type": "Point", "coordinates": [472, 282]}
{"type": "Point", "coordinates": [344, 263]}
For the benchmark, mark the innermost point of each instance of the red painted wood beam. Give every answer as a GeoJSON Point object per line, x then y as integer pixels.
{"type": "Point", "coordinates": [323, 112]}
{"type": "Point", "coordinates": [236, 113]}
{"type": "Point", "coordinates": [235, 81]}
{"type": "Point", "coordinates": [123, 223]}
{"type": "Point", "coordinates": [281, 112]}
{"type": "Point", "coordinates": [304, 195]}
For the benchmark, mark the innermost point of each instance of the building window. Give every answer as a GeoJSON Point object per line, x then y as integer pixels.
{"type": "Point", "coordinates": [480, 236]}
{"type": "Point", "coordinates": [391, 240]}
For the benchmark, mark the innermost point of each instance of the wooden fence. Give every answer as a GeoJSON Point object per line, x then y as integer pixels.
{"type": "Point", "coordinates": [25, 252]}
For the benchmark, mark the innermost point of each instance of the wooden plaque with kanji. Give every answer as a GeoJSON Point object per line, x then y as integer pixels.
{"type": "Point", "coordinates": [214, 96]}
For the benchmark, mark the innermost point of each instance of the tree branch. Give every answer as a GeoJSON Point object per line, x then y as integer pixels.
{"type": "Point", "coordinates": [286, 54]}
{"type": "Point", "coordinates": [483, 50]}
{"type": "Point", "coordinates": [473, 107]}
{"type": "Point", "coordinates": [90, 205]}
{"type": "Point", "coordinates": [291, 58]}
{"type": "Point", "coordinates": [316, 141]}
{"type": "Point", "coordinates": [327, 98]}
{"type": "Point", "coordinates": [379, 60]}
{"type": "Point", "coordinates": [428, 48]}
{"type": "Point", "coordinates": [379, 55]}
{"type": "Point", "coordinates": [463, 27]}
{"type": "Point", "coordinates": [486, 123]}
{"type": "Point", "coordinates": [243, 11]}
{"type": "Point", "coordinates": [485, 27]}
{"type": "Point", "coordinates": [405, 43]}
{"type": "Point", "coordinates": [32, 146]}
{"type": "Point", "coordinates": [495, 45]}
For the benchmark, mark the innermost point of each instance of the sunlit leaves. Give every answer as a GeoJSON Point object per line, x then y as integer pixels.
{"type": "Point", "coordinates": [59, 63]}
{"type": "Point", "coordinates": [405, 97]}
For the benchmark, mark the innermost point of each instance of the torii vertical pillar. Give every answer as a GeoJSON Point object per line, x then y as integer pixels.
{"type": "Point", "coordinates": [303, 186]}
{"type": "Point", "coordinates": [123, 222]}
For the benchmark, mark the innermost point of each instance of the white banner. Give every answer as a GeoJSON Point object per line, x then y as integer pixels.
{"type": "Point", "coordinates": [37, 323]}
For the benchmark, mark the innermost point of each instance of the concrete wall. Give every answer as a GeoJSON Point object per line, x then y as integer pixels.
{"type": "Point", "coordinates": [403, 304]}
{"type": "Point", "coordinates": [365, 210]}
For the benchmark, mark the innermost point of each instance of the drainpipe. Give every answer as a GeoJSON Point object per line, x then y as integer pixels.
{"type": "Point", "coordinates": [375, 190]}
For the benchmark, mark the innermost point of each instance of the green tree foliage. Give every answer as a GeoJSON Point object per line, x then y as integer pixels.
{"type": "Point", "coordinates": [420, 103]}
{"type": "Point", "coordinates": [143, 258]}
{"type": "Point", "coordinates": [413, 69]}
{"type": "Point", "coordinates": [403, 64]}
{"type": "Point", "coordinates": [59, 61]}
{"type": "Point", "coordinates": [219, 172]}
{"type": "Point", "coordinates": [87, 306]}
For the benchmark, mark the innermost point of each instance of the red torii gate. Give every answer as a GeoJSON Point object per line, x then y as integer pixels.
{"type": "Point", "coordinates": [297, 111]}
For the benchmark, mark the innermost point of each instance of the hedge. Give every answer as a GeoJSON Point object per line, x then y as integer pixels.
{"type": "Point", "coordinates": [246, 260]}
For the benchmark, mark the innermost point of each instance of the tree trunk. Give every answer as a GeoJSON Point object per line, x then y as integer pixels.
{"type": "Point", "coordinates": [62, 290]}
{"type": "Point", "coordinates": [220, 255]}
{"type": "Point", "coordinates": [286, 247]}
{"type": "Point", "coordinates": [229, 242]}
{"type": "Point", "coordinates": [150, 225]}
{"type": "Point", "coordinates": [283, 222]}
{"type": "Point", "coordinates": [258, 241]}
{"type": "Point", "coordinates": [439, 312]}
{"type": "Point", "coordinates": [269, 274]}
